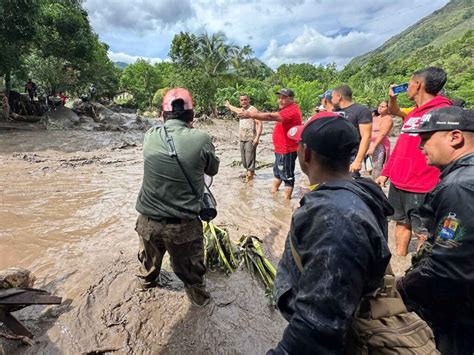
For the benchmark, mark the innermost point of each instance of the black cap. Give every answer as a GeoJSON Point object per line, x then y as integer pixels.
{"type": "Point", "coordinates": [286, 92]}
{"type": "Point", "coordinates": [333, 137]}
{"type": "Point", "coordinates": [445, 119]}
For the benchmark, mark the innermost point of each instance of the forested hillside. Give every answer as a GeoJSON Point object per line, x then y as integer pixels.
{"type": "Point", "coordinates": [215, 69]}
{"type": "Point", "coordinates": [438, 29]}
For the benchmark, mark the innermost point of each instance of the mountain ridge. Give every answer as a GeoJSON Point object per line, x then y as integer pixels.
{"type": "Point", "coordinates": [448, 23]}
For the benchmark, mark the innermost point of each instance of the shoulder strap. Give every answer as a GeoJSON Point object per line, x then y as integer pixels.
{"type": "Point", "coordinates": [296, 256]}
{"type": "Point", "coordinates": [172, 153]}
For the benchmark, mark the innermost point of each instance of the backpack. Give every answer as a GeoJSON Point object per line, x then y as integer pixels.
{"type": "Point", "coordinates": [382, 325]}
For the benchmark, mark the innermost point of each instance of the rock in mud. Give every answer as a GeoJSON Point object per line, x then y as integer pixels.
{"type": "Point", "coordinates": [62, 118]}
{"type": "Point", "coordinates": [16, 277]}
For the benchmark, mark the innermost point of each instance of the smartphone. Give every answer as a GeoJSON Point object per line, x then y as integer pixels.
{"type": "Point", "coordinates": [400, 88]}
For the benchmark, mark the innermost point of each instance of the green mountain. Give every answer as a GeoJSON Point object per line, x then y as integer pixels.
{"type": "Point", "coordinates": [441, 27]}
{"type": "Point", "coordinates": [120, 65]}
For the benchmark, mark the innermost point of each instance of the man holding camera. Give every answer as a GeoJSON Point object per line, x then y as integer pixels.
{"type": "Point", "coordinates": [176, 157]}
{"type": "Point", "coordinates": [410, 176]}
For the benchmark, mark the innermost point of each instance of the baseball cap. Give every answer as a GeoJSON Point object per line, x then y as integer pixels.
{"type": "Point", "coordinates": [327, 95]}
{"type": "Point", "coordinates": [445, 119]}
{"type": "Point", "coordinates": [177, 94]}
{"type": "Point", "coordinates": [328, 134]}
{"type": "Point", "coordinates": [286, 92]}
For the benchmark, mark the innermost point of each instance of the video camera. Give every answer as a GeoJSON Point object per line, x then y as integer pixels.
{"type": "Point", "coordinates": [208, 203]}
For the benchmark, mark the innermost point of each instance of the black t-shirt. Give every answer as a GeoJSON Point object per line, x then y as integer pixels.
{"type": "Point", "coordinates": [356, 114]}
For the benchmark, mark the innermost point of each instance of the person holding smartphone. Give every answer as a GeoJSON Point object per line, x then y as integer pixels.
{"type": "Point", "coordinates": [410, 176]}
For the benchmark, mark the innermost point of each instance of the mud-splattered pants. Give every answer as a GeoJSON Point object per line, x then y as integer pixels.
{"type": "Point", "coordinates": [182, 239]}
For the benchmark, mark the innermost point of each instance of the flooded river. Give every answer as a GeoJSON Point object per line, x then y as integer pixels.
{"type": "Point", "coordinates": [67, 213]}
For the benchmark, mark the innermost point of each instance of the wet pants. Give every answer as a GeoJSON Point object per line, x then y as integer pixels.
{"type": "Point", "coordinates": [182, 239]}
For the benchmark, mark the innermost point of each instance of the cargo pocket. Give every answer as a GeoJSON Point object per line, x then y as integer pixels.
{"type": "Point", "coordinates": [143, 228]}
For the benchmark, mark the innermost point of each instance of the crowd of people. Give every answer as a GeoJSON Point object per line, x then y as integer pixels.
{"type": "Point", "coordinates": [336, 251]}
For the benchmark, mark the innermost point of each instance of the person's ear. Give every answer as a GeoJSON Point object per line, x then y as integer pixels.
{"type": "Point", "coordinates": [456, 138]}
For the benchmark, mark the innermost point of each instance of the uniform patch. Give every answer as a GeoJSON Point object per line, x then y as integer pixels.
{"type": "Point", "coordinates": [450, 227]}
{"type": "Point", "coordinates": [293, 131]}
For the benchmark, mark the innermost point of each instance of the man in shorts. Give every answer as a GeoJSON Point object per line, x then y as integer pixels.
{"type": "Point", "coordinates": [250, 131]}
{"type": "Point", "coordinates": [410, 176]}
{"type": "Point", "coordinates": [285, 148]}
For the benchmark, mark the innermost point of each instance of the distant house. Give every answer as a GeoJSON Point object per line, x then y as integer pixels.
{"type": "Point", "coordinates": [123, 96]}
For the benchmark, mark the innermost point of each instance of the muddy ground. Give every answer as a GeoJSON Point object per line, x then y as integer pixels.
{"type": "Point", "coordinates": [67, 213]}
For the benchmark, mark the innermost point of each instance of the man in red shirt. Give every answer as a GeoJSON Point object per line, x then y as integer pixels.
{"type": "Point", "coordinates": [285, 148]}
{"type": "Point", "coordinates": [410, 176]}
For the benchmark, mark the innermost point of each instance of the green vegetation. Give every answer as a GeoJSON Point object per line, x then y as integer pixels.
{"type": "Point", "coordinates": [442, 26]}
{"type": "Point", "coordinates": [52, 42]}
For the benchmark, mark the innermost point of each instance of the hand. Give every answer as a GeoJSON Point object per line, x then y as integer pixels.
{"type": "Point", "coordinates": [355, 166]}
{"type": "Point", "coordinates": [227, 103]}
{"type": "Point", "coordinates": [390, 91]}
{"type": "Point", "coordinates": [381, 180]}
{"type": "Point", "coordinates": [245, 114]}
{"type": "Point", "coordinates": [255, 142]}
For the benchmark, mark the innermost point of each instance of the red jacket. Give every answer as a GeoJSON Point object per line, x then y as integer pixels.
{"type": "Point", "coordinates": [407, 168]}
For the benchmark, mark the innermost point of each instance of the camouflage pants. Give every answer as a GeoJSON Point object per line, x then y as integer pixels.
{"type": "Point", "coordinates": [184, 244]}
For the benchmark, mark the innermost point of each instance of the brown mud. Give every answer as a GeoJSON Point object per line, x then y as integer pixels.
{"type": "Point", "coordinates": [67, 214]}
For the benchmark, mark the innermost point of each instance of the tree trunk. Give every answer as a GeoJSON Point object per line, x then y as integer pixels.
{"type": "Point", "coordinates": [8, 83]}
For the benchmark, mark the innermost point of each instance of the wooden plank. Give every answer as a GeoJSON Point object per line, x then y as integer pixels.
{"type": "Point", "coordinates": [28, 298]}
{"type": "Point", "coordinates": [13, 324]}
{"type": "Point", "coordinates": [10, 291]}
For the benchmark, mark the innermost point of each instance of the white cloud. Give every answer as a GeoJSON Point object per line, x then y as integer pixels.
{"type": "Point", "coordinates": [126, 58]}
{"type": "Point", "coordinates": [279, 31]}
{"type": "Point", "coordinates": [311, 47]}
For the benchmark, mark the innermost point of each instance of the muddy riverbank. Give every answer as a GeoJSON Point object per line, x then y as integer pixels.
{"type": "Point", "coordinates": [67, 213]}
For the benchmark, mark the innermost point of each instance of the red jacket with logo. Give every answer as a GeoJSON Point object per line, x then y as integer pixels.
{"type": "Point", "coordinates": [407, 168]}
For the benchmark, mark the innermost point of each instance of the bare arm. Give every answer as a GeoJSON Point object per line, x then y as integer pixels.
{"type": "Point", "coordinates": [258, 131]}
{"type": "Point", "coordinates": [233, 108]}
{"type": "Point", "coordinates": [262, 116]}
{"type": "Point", "coordinates": [385, 128]}
{"type": "Point", "coordinates": [365, 134]}
{"type": "Point", "coordinates": [393, 107]}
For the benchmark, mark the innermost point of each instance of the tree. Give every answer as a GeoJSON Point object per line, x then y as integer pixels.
{"type": "Point", "coordinates": [142, 80]}
{"type": "Point", "coordinates": [18, 27]}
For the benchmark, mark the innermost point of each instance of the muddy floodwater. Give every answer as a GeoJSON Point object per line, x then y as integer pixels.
{"type": "Point", "coordinates": [67, 213]}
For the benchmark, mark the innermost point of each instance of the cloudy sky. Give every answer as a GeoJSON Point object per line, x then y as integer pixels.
{"type": "Point", "coordinates": [291, 31]}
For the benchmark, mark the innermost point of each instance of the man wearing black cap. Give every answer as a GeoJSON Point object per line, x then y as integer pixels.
{"type": "Point", "coordinates": [336, 250]}
{"type": "Point", "coordinates": [176, 157]}
{"type": "Point", "coordinates": [285, 148]}
{"type": "Point", "coordinates": [440, 285]}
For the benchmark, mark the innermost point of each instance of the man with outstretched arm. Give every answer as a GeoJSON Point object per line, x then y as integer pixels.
{"type": "Point", "coordinates": [250, 131]}
{"type": "Point", "coordinates": [288, 116]}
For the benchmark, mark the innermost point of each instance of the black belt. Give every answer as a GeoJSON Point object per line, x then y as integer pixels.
{"type": "Point", "coordinates": [167, 220]}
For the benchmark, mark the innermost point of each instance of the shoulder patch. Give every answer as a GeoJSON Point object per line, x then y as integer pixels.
{"type": "Point", "coordinates": [450, 227]}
